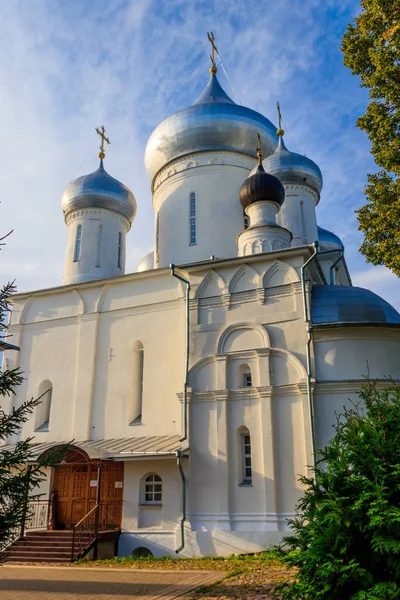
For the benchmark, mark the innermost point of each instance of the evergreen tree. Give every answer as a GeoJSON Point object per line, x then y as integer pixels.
{"type": "Point", "coordinates": [371, 47]}
{"type": "Point", "coordinates": [346, 540]}
{"type": "Point", "coordinates": [19, 477]}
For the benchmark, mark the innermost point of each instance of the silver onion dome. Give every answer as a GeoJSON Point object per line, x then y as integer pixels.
{"type": "Point", "coordinates": [329, 240]}
{"type": "Point", "coordinates": [146, 263]}
{"type": "Point", "coordinates": [213, 122]}
{"type": "Point", "coordinates": [291, 167]}
{"type": "Point", "coordinates": [99, 190]}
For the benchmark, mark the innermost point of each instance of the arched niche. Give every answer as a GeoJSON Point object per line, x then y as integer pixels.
{"type": "Point", "coordinates": [244, 279]}
{"type": "Point", "coordinates": [279, 274]}
{"type": "Point", "coordinates": [42, 411]}
{"type": "Point", "coordinates": [202, 376]}
{"type": "Point", "coordinates": [136, 400]}
{"type": "Point", "coordinates": [243, 336]}
{"type": "Point", "coordinates": [285, 368]}
{"type": "Point", "coordinates": [212, 285]}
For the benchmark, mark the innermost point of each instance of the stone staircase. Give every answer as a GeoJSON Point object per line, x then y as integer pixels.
{"type": "Point", "coordinates": [41, 546]}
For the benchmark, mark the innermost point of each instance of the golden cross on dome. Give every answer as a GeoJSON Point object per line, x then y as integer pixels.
{"type": "Point", "coordinates": [101, 132]}
{"type": "Point", "coordinates": [259, 152]}
{"type": "Point", "coordinates": [280, 131]}
{"type": "Point", "coordinates": [214, 50]}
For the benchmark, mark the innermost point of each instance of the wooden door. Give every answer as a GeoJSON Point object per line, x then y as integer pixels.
{"type": "Point", "coordinates": [111, 494]}
{"type": "Point", "coordinates": [80, 493]}
{"type": "Point", "coordinates": [71, 483]}
{"type": "Point", "coordinates": [62, 487]}
{"type": "Point", "coordinates": [75, 487]}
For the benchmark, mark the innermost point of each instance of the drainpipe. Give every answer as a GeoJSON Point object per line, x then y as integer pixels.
{"type": "Point", "coordinates": [179, 454]}
{"type": "Point", "coordinates": [337, 261]}
{"type": "Point", "coordinates": [185, 385]}
{"type": "Point", "coordinates": [185, 437]}
{"type": "Point", "coordinates": [307, 320]}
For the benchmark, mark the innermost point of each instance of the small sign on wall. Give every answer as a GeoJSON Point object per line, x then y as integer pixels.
{"type": "Point", "coordinates": [118, 484]}
{"type": "Point", "coordinates": [93, 483]}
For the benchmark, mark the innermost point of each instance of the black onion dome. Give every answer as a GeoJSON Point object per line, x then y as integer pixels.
{"type": "Point", "coordinates": [261, 186]}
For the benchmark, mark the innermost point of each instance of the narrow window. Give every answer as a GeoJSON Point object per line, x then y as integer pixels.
{"type": "Point", "coordinates": [244, 447]}
{"type": "Point", "coordinates": [78, 243]}
{"type": "Point", "coordinates": [246, 221]}
{"type": "Point", "coordinates": [192, 219]}
{"type": "Point", "coordinates": [303, 221]}
{"type": "Point", "coordinates": [99, 245]}
{"type": "Point", "coordinates": [42, 416]}
{"type": "Point", "coordinates": [153, 489]}
{"type": "Point", "coordinates": [158, 237]}
{"type": "Point", "coordinates": [135, 412]}
{"type": "Point", "coordinates": [119, 250]}
{"type": "Point", "coordinates": [246, 460]}
{"type": "Point", "coordinates": [244, 378]}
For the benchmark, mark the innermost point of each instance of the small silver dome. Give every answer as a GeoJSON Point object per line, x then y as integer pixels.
{"type": "Point", "coordinates": [290, 167]}
{"type": "Point", "coordinates": [345, 305]}
{"type": "Point", "coordinates": [213, 122]}
{"type": "Point", "coordinates": [328, 240]}
{"type": "Point", "coordinates": [146, 263]}
{"type": "Point", "coordinates": [99, 190]}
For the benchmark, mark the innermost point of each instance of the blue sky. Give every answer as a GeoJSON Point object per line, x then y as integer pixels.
{"type": "Point", "coordinates": [69, 66]}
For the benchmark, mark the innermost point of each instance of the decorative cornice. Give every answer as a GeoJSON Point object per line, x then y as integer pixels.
{"type": "Point", "coordinates": [96, 212]}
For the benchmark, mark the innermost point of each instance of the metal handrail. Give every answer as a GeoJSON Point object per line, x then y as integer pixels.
{"type": "Point", "coordinates": [84, 533]}
{"type": "Point", "coordinates": [86, 516]}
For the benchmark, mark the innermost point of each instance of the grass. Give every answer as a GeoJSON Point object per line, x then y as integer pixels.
{"type": "Point", "coordinates": [244, 576]}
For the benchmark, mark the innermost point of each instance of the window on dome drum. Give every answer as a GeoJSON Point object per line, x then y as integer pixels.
{"type": "Point", "coordinates": [119, 261]}
{"type": "Point", "coordinates": [78, 243]}
{"type": "Point", "coordinates": [245, 450]}
{"type": "Point", "coordinates": [99, 245]}
{"type": "Point", "coordinates": [192, 219]}
{"type": "Point", "coordinates": [42, 412]}
{"type": "Point", "coordinates": [153, 489]}
{"type": "Point", "coordinates": [246, 221]}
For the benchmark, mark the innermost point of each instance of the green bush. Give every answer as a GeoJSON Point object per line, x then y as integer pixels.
{"type": "Point", "coordinates": [346, 532]}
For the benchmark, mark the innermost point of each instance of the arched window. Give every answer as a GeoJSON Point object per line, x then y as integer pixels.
{"type": "Point", "coordinates": [192, 219]}
{"type": "Point", "coordinates": [153, 489]}
{"type": "Point", "coordinates": [42, 413]}
{"type": "Point", "coordinates": [246, 220]}
{"type": "Point", "coordinates": [99, 245]}
{"type": "Point", "coordinates": [135, 412]}
{"type": "Point", "coordinates": [245, 474]}
{"type": "Point", "coordinates": [78, 243]}
{"type": "Point", "coordinates": [119, 260]}
{"type": "Point", "coordinates": [244, 376]}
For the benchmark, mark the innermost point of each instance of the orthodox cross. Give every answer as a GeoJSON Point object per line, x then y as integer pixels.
{"type": "Point", "coordinates": [101, 132]}
{"type": "Point", "coordinates": [280, 131]}
{"type": "Point", "coordinates": [214, 50]}
{"type": "Point", "coordinates": [259, 152]}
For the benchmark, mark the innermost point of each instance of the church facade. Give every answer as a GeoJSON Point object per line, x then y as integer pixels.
{"type": "Point", "coordinates": [196, 390]}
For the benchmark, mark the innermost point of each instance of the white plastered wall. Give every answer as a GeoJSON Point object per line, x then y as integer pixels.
{"type": "Point", "coordinates": [215, 178]}
{"type": "Point", "coordinates": [298, 215]}
{"type": "Point", "coordinates": [99, 251]}
{"type": "Point", "coordinates": [343, 357]}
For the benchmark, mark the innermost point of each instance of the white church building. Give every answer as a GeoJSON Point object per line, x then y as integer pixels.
{"type": "Point", "coordinates": [196, 390]}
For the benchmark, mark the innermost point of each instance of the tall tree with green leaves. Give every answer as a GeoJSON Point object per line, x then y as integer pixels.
{"type": "Point", "coordinates": [371, 48]}
{"type": "Point", "coordinates": [346, 532]}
